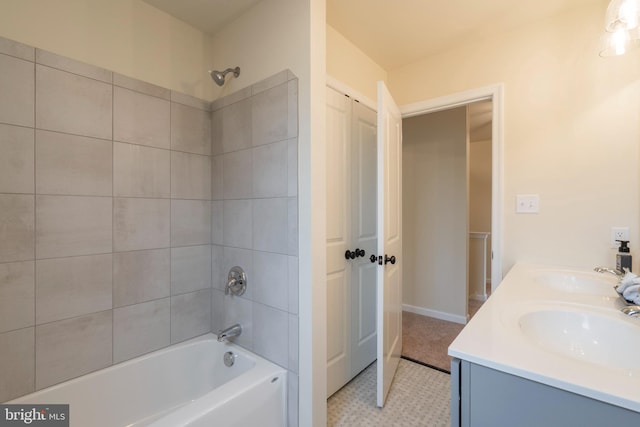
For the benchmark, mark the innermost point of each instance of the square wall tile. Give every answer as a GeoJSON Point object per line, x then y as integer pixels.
{"type": "Point", "coordinates": [292, 399]}
{"type": "Point", "coordinates": [141, 171]}
{"type": "Point", "coordinates": [271, 337]}
{"type": "Point", "coordinates": [293, 108]}
{"type": "Point", "coordinates": [190, 129]}
{"type": "Point", "coordinates": [70, 287]}
{"type": "Point", "coordinates": [73, 104]}
{"type": "Point", "coordinates": [217, 310]}
{"type": "Point", "coordinates": [71, 348]}
{"type": "Point", "coordinates": [218, 275]}
{"type": "Point", "coordinates": [72, 225]}
{"type": "Point", "coordinates": [141, 119]}
{"type": "Point", "coordinates": [17, 295]}
{"type": "Point", "coordinates": [292, 167]}
{"type": "Point", "coordinates": [237, 178]}
{"type": "Point", "coordinates": [141, 86]}
{"type": "Point", "coordinates": [270, 225]}
{"type": "Point", "coordinates": [239, 310]}
{"type": "Point", "coordinates": [217, 222]}
{"type": "Point", "coordinates": [17, 216]}
{"type": "Point", "coordinates": [216, 178]}
{"type": "Point", "coordinates": [17, 352]}
{"type": "Point", "coordinates": [141, 224]}
{"type": "Point", "coordinates": [190, 176]}
{"type": "Point", "coordinates": [190, 222]}
{"type": "Point", "coordinates": [270, 121]}
{"type": "Point", "coordinates": [270, 82]}
{"type": "Point", "coordinates": [238, 225]}
{"type": "Point", "coordinates": [16, 159]}
{"type": "Point", "coordinates": [190, 269]}
{"type": "Point", "coordinates": [140, 329]}
{"type": "Point", "coordinates": [19, 50]}
{"type": "Point", "coordinates": [270, 172]}
{"type": "Point", "coordinates": [293, 285]}
{"type": "Point", "coordinates": [270, 283]}
{"type": "Point", "coordinates": [293, 343]}
{"type": "Point", "coordinates": [72, 165]}
{"type": "Point", "coordinates": [237, 126]}
{"type": "Point", "coordinates": [292, 226]}
{"type": "Point", "coordinates": [17, 89]}
{"type": "Point", "coordinates": [216, 132]}
{"type": "Point", "coordinates": [191, 101]}
{"type": "Point", "coordinates": [190, 315]}
{"type": "Point", "coordinates": [140, 276]}
{"type": "Point", "coordinates": [76, 67]}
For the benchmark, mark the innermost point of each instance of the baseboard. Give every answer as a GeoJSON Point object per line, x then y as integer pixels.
{"type": "Point", "coordinates": [435, 314]}
{"type": "Point", "coordinates": [478, 297]}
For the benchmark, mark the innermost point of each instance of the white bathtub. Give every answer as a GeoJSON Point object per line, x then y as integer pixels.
{"type": "Point", "coordinates": [186, 384]}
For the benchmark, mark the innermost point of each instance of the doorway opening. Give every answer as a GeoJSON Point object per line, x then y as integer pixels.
{"type": "Point", "coordinates": [452, 220]}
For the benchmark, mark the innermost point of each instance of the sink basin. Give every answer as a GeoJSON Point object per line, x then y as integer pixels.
{"type": "Point", "coordinates": [577, 282]}
{"type": "Point", "coordinates": [590, 337]}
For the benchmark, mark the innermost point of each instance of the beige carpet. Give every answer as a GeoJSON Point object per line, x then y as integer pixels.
{"type": "Point", "coordinates": [419, 396]}
{"type": "Point", "coordinates": [426, 339]}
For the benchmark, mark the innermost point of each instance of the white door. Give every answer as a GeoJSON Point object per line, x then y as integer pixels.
{"type": "Point", "coordinates": [389, 275]}
{"type": "Point", "coordinates": [363, 236]}
{"type": "Point", "coordinates": [351, 227]}
{"type": "Point", "coordinates": [338, 234]}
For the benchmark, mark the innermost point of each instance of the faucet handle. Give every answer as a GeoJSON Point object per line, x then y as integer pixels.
{"type": "Point", "coordinates": [236, 281]}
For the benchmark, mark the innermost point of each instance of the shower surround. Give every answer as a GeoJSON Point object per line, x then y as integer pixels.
{"type": "Point", "coordinates": [122, 207]}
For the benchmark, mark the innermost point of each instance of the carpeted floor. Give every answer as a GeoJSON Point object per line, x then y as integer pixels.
{"type": "Point", "coordinates": [426, 339]}
{"type": "Point", "coordinates": [419, 396]}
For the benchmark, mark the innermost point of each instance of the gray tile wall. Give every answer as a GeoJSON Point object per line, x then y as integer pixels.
{"type": "Point", "coordinates": [105, 218]}
{"type": "Point", "coordinates": [123, 205]}
{"type": "Point", "coordinates": [255, 219]}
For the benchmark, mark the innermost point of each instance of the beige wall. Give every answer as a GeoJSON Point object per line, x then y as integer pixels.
{"type": "Point", "coordinates": [126, 36]}
{"type": "Point", "coordinates": [480, 191]}
{"type": "Point", "coordinates": [347, 63]}
{"type": "Point", "coordinates": [272, 36]}
{"type": "Point", "coordinates": [572, 131]}
{"type": "Point", "coordinates": [434, 213]}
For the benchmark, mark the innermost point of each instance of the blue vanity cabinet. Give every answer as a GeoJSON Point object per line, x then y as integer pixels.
{"type": "Point", "coordinates": [485, 397]}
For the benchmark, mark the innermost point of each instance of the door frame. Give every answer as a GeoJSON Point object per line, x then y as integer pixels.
{"type": "Point", "coordinates": [494, 93]}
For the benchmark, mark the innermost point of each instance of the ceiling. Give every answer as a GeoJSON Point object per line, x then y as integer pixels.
{"type": "Point", "coordinates": [208, 16]}
{"type": "Point", "coordinates": [396, 33]}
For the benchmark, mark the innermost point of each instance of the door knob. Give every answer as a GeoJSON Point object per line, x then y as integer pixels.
{"type": "Point", "coordinates": [373, 258]}
{"type": "Point", "coordinates": [388, 259]}
{"type": "Point", "coordinates": [354, 254]}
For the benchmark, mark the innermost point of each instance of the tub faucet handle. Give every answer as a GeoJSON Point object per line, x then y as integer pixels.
{"type": "Point", "coordinates": [236, 282]}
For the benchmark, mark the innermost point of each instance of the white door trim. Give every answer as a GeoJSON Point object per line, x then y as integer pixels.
{"type": "Point", "coordinates": [341, 87]}
{"type": "Point", "coordinates": [494, 93]}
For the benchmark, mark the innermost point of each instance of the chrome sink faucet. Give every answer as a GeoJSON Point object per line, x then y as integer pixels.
{"type": "Point", "coordinates": [230, 332]}
{"type": "Point", "coordinates": [617, 273]}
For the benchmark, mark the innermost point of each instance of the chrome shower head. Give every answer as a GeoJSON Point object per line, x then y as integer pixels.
{"type": "Point", "coordinates": [218, 76]}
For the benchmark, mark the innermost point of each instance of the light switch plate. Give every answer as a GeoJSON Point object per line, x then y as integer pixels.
{"type": "Point", "coordinates": [527, 203]}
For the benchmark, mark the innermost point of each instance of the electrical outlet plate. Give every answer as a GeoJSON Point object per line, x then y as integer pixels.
{"type": "Point", "coordinates": [619, 233]}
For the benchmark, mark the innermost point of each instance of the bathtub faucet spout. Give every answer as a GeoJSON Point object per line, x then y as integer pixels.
{"type": "Point", "coordinates": [230, 332]}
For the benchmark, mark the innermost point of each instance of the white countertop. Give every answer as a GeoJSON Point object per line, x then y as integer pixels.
{"type": "Point", "coordinates": [494, 338]}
